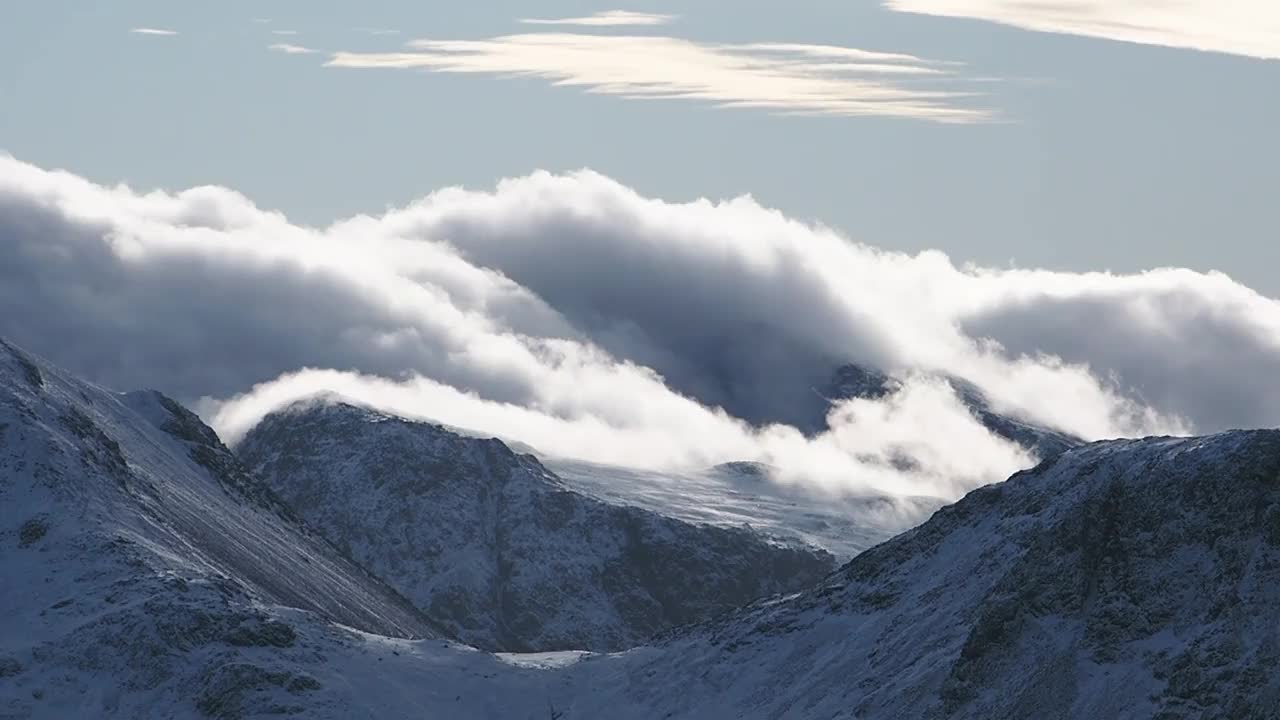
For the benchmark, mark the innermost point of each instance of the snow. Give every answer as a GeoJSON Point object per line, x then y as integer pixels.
{"type": "Point", "coordinates": [739, 494]}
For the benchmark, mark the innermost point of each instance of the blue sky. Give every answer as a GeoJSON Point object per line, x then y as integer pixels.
{"type": "Point", "coordinates": [1090, 152]}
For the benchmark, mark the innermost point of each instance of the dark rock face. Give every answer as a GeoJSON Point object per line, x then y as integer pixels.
{"type": "Point", "coordinates": [492, 544]}
{"type": "Point", "coordinates": [1180, 573]}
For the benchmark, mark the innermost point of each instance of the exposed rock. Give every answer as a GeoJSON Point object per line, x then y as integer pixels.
{"type": "Point", "coordinates": [31, 531]}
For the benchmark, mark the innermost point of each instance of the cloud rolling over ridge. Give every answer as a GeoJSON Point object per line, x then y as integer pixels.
{"type": "Point", "coordinates": [570, 313]}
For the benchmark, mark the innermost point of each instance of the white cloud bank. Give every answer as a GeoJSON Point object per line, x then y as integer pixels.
{"type": "Point", "coordinates": [781, 77]}
{"type": "Point", "coordinates": [572, 314]}
{"type": "Point", "coordinates": [1239, 27]}
{"type": "Point", "coordinates": [152, 31]}
{"type": "Point", "coordinates": [607, 18]}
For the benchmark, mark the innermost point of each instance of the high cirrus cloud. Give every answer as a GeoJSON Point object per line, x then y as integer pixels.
{"type": "Point", "coordinates": [572, 314]}
{"type": "Point", "coordinates": [607, 18]}
{"type": "Point", "coordinates": [1238, 27]}
{"type": "Point", "coordinates": [290, 49]}
{"type": "Point", "coordinates": [781, 77]}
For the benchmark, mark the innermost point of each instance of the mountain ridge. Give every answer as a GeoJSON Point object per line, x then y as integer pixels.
{"type": "Point", "coordinates": [1062, 592]}
{"type": "Point", "coordinates": [496, 544]}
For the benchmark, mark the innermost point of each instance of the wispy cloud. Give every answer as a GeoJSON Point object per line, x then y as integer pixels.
{"type": "Point", "coordinates": [291, 49]}
{"type": "Point", "coordinates": [782, 77]}
{"type": "Point", "coordinates": [379, 31]}
{"type": "Point", "coordinates": [605, 19]}
{"type": "Point", "coordinates": [152, 31]}
{"type": "Point", "coordinates": [1239, 27]}
{"type": "Point", "coordinates": [284, 32]}
{"type": "Point", "coordinates": [262, 21]}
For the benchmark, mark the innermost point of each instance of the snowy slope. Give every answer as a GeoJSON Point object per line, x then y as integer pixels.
{"type": "Point", "coordinates": [1124, 579]}
{"type": "Point", "coordinates": [495, 546]}
{"type": "Point", "coordinates": [741, 494]}
{"type": "Point", "coordinates": [129, 533]}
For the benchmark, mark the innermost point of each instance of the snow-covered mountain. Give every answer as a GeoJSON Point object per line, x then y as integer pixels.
{"type": "Point", "coordinates": [131, 537]}
{"type": "Point", "coordinates": [1122, 579]}
{"type": "Point", "coordinates": [495, 546]}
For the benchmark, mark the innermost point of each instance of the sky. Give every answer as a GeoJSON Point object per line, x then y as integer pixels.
{"type": "Point", "coordinates": [644, 236]}
{"type": "Point", "coordinates": [1077, 135]}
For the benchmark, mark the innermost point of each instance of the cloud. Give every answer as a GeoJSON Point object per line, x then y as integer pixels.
{"type": "Point", "coordinates": [1239, 27]}
{"type": "Point", "coordinates": [606, 19]}
{"type": "Point", "coordinates": [1200, 359]}
{"type": "Point", "coordinates": [284, 32]}
{"type": "Point", "coordinates": [781, 77]}
{"type": "Point", "coordinates": [577, 316]}
{"type": "Point", "coordinates": [379, 31]}
{"type": "Point", "coordinates": [291, 49]}
{"type": "Point", "coordinates": [152, 31]}
{"type": "Point", "coordinates": [630, 419]}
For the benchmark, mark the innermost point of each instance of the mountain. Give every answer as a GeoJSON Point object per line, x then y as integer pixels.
{"type": "Point", "coordinates": [131, 540]}
{"type": "Point", "coordinates": [495, 546]}
{"type": "Point", "coordinates": [1124, 579]}
{"type": "Point", "coordinates": [855, 381]}
{"type": "Point", "coordinates": [144, 573]}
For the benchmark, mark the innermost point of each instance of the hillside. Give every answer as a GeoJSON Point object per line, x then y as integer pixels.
{"type": "Point", "coordinates": [496, 547]}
